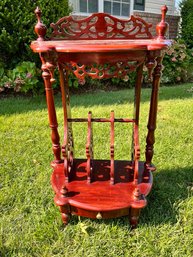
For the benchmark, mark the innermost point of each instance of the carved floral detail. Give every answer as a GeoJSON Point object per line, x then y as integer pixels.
{"type": "Point", "coordinates": [101, 26]}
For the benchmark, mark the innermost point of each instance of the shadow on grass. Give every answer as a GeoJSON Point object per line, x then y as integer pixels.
{"type": "Point", "coordinates": [16, 105]}
{"type": "Point", "coordinates": [170, 188]}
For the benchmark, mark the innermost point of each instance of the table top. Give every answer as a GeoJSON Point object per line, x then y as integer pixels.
{"type": "Point", "coordinates": [99, 46]}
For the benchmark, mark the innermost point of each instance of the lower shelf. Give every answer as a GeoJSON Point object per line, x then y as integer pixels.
{"type": "Point", "coordinates": [100, 199]}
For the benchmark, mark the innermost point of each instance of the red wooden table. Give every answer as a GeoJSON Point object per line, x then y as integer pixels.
{"type": "Point", "coordinates": [100, 46]}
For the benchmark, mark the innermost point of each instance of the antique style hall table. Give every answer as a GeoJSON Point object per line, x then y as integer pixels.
{"type": "Point", "coordinates": [100, 46]}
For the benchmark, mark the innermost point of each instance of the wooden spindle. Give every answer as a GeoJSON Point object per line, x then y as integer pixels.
{"type": "Point", "coordinates": [120, 120]}
{"type": "Point", "coordinates": [51, 110]}
{"type": "Point", "coordinates": [138, 93]}
{"type": "Point", "coordinates": [112, 178]}
{"type": "Point", "coordinates": [89, 148]}
{"type": "Point", "coordinates": [136, 154]}
{"type": "Point", "coordinates": [150, 140]}
{"type": "Point", "coordinates": [68, 144]}
{"type": "Point", "coordinates": [137, 98]}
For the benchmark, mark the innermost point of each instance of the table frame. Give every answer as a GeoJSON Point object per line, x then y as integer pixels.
{"type": "Point", "coordinates": [100, 46]}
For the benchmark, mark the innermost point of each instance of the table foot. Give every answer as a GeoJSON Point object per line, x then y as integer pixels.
{"type": "Point", "coordinates": [134, 217]}
{"type": "Point", "coordinates": [65, 214]}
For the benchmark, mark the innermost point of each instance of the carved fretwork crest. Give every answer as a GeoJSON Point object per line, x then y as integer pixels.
{"type": "Point", "coordinates": [101, 26]}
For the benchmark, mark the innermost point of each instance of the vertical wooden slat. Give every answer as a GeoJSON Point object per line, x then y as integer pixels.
{"type": "Point", "coordinates": [89, 149]}
{"type": "Point", "coordinates": [137, 98]}
{"type": "Point", "coordinates": [138, 93]}
{"type": "Point", "coordinates": [136, 154]}
{"type": "Point", "coordinates": [112, 135]}
{"type": "Point", "coordinates": [67, 146]}
{"type": "Point", "coordinates": [135, 139]}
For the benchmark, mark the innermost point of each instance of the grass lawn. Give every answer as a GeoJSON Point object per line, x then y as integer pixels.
{"type": "Point", "coordinates": [30, 223]}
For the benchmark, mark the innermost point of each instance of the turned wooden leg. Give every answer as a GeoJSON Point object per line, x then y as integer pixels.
{"type": "Point", "coordinates": [52, 116]}
{"type": "Point", "coordinates": [150, 140]}
{"type": "Point", "coordinates": [48, 66]}
{"type": "Point", "coordinates": [65, 213]}
{"type": "Point", "coordinates": [134, 217]}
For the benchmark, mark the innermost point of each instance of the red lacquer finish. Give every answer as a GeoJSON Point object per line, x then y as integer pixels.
{"type": "Point", "coordinates": [100, 46]}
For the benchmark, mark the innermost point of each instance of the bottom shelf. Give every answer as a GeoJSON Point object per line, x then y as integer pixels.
{"type": "Point", "coordinates": [100, 199]}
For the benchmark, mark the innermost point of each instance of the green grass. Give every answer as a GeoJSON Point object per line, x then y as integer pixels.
{"type": "Point", "coordinates": [30, 223]}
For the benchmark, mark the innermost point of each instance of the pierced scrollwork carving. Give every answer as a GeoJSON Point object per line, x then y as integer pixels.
{"type": "Point", "coordinates": [101, 26]}
{"type": "Point", "coordinates": [101, 71]}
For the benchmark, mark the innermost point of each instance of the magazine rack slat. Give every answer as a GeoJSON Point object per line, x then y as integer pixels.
{"type": "Point", "coordinates": [100, 46]}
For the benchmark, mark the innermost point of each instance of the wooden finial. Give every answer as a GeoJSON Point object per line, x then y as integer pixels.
{"type": "Point", "coordinates": [162, 27]}
{"type": "Point", "coordinates": [164, 10]}
{"type": "Point", "coordinates": [40, 28]}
